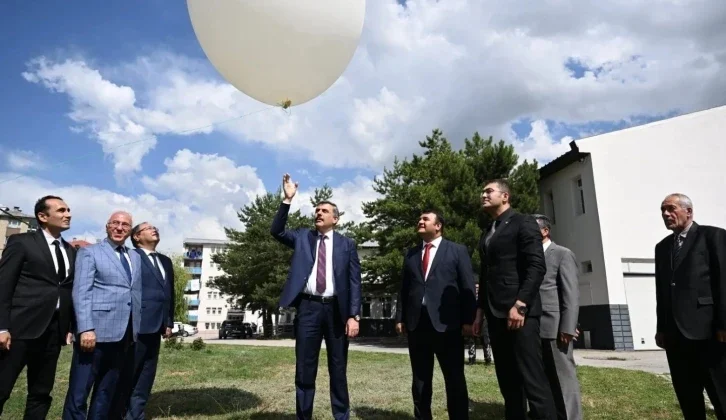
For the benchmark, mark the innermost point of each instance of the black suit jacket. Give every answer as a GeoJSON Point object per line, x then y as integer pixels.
{"type": "Point", "coordinates": [29, 287]}
{"type": "Point", "coordinates": [513, 266]}
{"type": "Point", "coordinates": [691, 291]}
{"type": "Point", "coordinates": [157, 294]}
{"type": "Point", "coordinates": [449, 288]}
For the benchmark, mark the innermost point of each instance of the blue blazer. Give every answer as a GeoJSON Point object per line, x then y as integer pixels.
{"type": "Point", "coordinates": [157, 294]}
{"type": "Point", "coordinates": [346, 265]}
{"type": "Point", "coordinates": [103, 296]}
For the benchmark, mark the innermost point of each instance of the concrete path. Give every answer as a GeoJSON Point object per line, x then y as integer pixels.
{"type": "Point", "coordinates": [648, 361]}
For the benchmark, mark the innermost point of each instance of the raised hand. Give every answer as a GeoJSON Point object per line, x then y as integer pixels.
{"type": "Point", "coordinates": [289, 187]}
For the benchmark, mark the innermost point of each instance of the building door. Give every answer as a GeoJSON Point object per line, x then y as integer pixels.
{"type": "Point", "coordinates": [640, 294]}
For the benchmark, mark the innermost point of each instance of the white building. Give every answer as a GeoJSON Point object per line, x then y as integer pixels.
{"type": "Point", "coordinates": [604, 197]}
{"type": "Point", "coordinates": [207, 306]}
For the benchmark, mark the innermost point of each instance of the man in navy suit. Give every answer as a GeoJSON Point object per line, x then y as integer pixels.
{"type": "Point", "coordinates": [107, 304]}
{"type": "Point", "coordinates": [436, 307]}
{"type": "Point", "coordinates": [157, 319]}
{"type": "Point", "coordinates": [324, 286]}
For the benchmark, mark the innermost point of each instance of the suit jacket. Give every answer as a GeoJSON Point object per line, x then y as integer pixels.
{"type": "Point", "coordinates": [691, 291]}
{"type": "Point", "coordinates": [103, 296]}
{"type": "Point", "coordinates": [346, 265]}
{"type": "Point", "coordinates": [449, 288]}
{"type": "Point", "coordinates": [512, 266]}
{"type": "Point", "coordinates": [30, 289]}
{"type": "Point", "coordinates": [559, 293]}
{"type": "Point", "coordinates": [157, 294]}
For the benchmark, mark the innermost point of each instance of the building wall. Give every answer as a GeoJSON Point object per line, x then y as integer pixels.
{"type": "Point", "coordinates": [9, 226]}
{"type": "Point", "coordinates": [631, 171]}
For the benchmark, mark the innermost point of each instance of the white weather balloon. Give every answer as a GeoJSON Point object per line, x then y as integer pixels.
{"type": "Point", "coordinates": [279, 50]}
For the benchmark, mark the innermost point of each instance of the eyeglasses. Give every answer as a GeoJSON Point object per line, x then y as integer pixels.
{"type": "Point", "coordinates": [489, 191]}
{"type": "Point", "coordinates": [154, 228]}
{"type": "Point", "coordinates": [123, 225]}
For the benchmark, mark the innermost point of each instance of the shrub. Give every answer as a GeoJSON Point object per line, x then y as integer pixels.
{"type": "Point", "coordinates": [198, 344]}
{"type": "Point", "coordinates": [174, 343]}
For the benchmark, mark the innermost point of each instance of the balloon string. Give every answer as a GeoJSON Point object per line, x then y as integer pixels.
{"type": "Point", "coordinates": [147, 139]}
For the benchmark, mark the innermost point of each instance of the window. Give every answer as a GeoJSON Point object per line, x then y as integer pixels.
{"type": "Point", "coordinates": [209, 310]}
{"type": "Point", "coordinates": [586, 267]}
{"type": "Point", "coordinates": [366, 310]}
{"type": "Point", "coordinates": [12, 223]}
{"type": "Point", "coordinates": [214, 295]}
{"type": "Point", "coordinates": [387, 308]}
{"type": "Point", "coordinates": [206, 325]}
{"type": "Point", "coordinates": [550, 206]}
{"type": "Point", "coordinates": [219, 310]}
{"type": "Point", "coordinates": [214, 311]}
{"type": "Point", "coordinates": [579, 197]}
{"type": "Point", "coordinates": [209, 295]}
{"type": "Point", "coordinates": [218, 325]}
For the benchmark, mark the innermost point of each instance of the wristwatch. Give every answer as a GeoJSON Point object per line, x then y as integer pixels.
{"type": "Point", "coordinates": [356, 317]}
{"type": "Point", "coordinates": [522, 309]}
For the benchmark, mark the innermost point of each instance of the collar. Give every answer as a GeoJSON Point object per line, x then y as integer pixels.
{"type": "Point", "coordinates": [148, 252]}
{"type": "Point", "coordinates": [685, 231]}
{"type": "Point", "coordinates": [436, 242]}
{"type": "Point", "coordinates": [50, 239]}
{"type": "Point", "coordinates": [506, 215]}
{"type": "Point", "coordinates": [115, 247]}
{"type": "Point", "coordinates": [546, 245]}
{"type": "Point", "coordinates": [328, 235]}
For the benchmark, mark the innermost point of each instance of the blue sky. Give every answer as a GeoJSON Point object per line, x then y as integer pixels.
{"type": "Point", "coordinates": [69, 69]}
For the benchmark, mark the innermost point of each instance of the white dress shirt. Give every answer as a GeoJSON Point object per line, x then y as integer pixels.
{"type": "Point", "coordinates": [49, 239]}
{"type": "Point", "coordinates": [161, 266]}
{"type": "Point", "coordinates": [310, 288]}
{"type": "Point", "coordinates": [432, 253]}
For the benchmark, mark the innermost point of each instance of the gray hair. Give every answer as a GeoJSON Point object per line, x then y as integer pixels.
{"type": "Point", "coordinates": [543, 221]}
{"type": "Point", "coordinates": [684, 201]}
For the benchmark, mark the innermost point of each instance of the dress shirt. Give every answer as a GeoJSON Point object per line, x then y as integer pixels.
{"type": "Point", "coordinates": [49, 239]}
{"type": "Point", "coordinates": [161, 266]}
{"type": "Point", "coordinates": [432, 253]}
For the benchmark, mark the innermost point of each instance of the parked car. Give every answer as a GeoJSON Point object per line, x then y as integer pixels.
{"type": "Point", "coordinates": [184, 330]}
{"type": "Point", "coordinates": [230, 329]}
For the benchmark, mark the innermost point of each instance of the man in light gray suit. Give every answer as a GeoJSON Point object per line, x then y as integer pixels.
{"type": "Point", "coordinates": [107, 304]}
{"type": "Point", "coordinates": [560, 298]}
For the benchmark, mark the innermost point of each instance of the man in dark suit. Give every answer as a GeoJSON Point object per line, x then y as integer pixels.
{"type": "Point", "coordinates": [512, 269]}
{"type": "Point", "coordinates": [324, 286]}
{"type": "Point", "coordinates": [690, 279]}
{"type": "Point", "coordinates": [36, 309]}
{"type": "Point", "coordinates": [436, 307]}
{"type": "Point", "coordinates": [560, 295]}
{"type": "Point", "coordinates": [157, 319]}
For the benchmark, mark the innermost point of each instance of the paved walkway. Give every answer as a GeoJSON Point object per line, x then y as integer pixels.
{"type": "Point", "coordinates": [648, 361]}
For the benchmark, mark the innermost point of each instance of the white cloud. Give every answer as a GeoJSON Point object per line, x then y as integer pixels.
{"type": "Point", "coordinates": [21, 160]}
{"type": "Point", "coordinates": [460, 65]}
{"type": "Point", "coordinates": [540, 145]}
{"type": "Point", "coordinates": [348, 196]}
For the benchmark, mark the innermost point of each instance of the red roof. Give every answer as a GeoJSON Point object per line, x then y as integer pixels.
{"type": "Point", "coordinates": [79, 243]}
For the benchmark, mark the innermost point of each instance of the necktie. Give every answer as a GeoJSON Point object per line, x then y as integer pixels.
{"type": "Point", "coordinates": [320, 280]}
{"type": "Point", "coordinates": [157, 266]}
{"type": "Point", "coordinates": [677, 247]}
{"type": "Point", "coordinates": [61, 262]}
{"type": "Point", "coordinates": [491, 233]}
{"type": "Point", "coordinates": [122, 253]}
{"type": "Point", "coordinates": [425, 262]}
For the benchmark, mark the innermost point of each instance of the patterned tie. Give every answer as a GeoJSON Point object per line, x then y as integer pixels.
{"type": "Point", "coordinates": [425, 261]}
{"type": "Point", "coordinates": [122, 253]}
{"type": "Point", "coordinates": [320, 280]}
{"type": "Point", "coordinates": [157, 265]}
{"type": "Point", "coordinates": [678, 243]}
{"type": "Point", "coordinates": [61, 261]}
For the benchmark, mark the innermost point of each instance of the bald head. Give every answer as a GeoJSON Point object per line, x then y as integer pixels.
{"type": "Point", "coordinates": [118, 227]}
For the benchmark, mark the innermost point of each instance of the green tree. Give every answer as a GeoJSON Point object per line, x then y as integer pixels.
{"type": "Point", "coordinates": [449, 181]}
{"type": "Point", "coordinates": [181, 278]}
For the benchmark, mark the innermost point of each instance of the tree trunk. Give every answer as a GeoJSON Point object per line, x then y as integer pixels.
{"type": "Point", "coordinates": [267, 319]}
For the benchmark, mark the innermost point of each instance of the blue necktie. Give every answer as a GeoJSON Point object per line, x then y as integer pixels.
{"type": "Point", "coordinates": [122, 253]}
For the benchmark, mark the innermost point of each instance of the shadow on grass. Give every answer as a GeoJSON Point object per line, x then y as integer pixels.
{"type": "Point", "coordinates": [381, 342]}
{"type": "Point", "coordinates": [484, 410]}
{"type": "Point", "coordinates": [371, 413]}
{"type": "Point", "coordinates": [199, 402]}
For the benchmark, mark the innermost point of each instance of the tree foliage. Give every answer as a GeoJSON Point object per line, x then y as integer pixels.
{"type": "Point", "coordinates": [181, 278]}
{"type": "Point", "coordinates": [449, 181]}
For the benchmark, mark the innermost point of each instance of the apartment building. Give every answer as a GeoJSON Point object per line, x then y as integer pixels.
{"type": "Point", "coordinates": [12, 221]}
{"type": "Point", "coordinates": [208, 307]}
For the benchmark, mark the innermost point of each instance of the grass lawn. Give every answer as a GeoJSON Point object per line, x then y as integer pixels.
{"type": "Point", "coordinates": [244, 382]}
